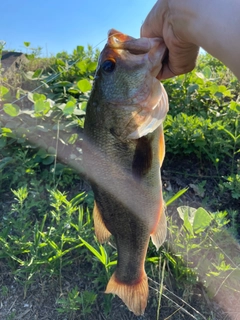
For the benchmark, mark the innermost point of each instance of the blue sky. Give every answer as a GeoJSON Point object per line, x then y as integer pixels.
{"type": "Point", "coordinates": [62, 25]}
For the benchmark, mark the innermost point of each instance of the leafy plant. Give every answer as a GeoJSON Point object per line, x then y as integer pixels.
{"type": "Point", "coordinates": [232, 184]}
{"type": "Point", "coordinates": [76, 303]}
{"type": "Point", "coordinates": [197, 254]}
{"type": "Point", "coordinates": [45, 218]}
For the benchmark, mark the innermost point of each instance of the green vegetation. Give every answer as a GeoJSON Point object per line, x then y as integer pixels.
{"type": "Point", "coordinates": [46, 209]}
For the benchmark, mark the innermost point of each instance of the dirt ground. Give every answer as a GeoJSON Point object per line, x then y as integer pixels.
{"type": "Point", "coordinates": [39, 301]}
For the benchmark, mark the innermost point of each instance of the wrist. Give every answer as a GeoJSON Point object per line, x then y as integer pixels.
{"type": "Point", "coordinates": [213, 25]}
{"type": "Point", "coordinates": [184, 17]}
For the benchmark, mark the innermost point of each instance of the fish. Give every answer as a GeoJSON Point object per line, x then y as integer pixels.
{"type": "Point", "coordinates": [123, 150]}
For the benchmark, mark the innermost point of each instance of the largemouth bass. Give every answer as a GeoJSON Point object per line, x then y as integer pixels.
{"type": "Point", "coordinates": [122, 154]}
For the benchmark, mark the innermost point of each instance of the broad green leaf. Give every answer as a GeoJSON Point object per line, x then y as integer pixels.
{"type": "Point", "coordinates": [202, 220]}
{"type": "Point", "coordinates": [199, 81]}
{"type": "Point", "coordinates": [13, 124]}
{"type": "Point", "coordinates": [71, 98]}
{"type": "Point", "coordinates": [84, 105]}
{"type": "Point", "coordinates": [11, 109]}
{"type": "Point", "coordinates": [30, 56]}
{"type": "Point", "coordinates": [69, 107]}
{"type": "Point", "coordinates": [73, 90]}
{"type": "Point", "coordinates": [84, 85]}
{"type": "Point", "coordinates": [37, 73]}
{"type": "Point", "coordinates": [187, 215]}
{"type": "Point", "coordinates": [42, 153]}
{"type": "Point", "coordinates": [60, 62]}
{"type": "Point", "coordinates": [80, 49]}
{"type": "Point", "coordinates": [235, 106]}
{"type": "Point", "coordinates": [207, 72]}
{"type": "Point", "coordinates": [48, 160]}
{"type": "Point", "coordinates": [3, 91]}
{"type": "Point", "coordinates": [41, 106]}
{"type": "Point", "coordinates": [51, 150]}
{"type": "Point", "coordinates": [82, 66]}
{"type": "Point", "coordinates": [38, 96]}
{"type": "Point", "coordinates": [192, 88]}
{"type": "Point", "coordinates": [222, 88]}
{"type": "Point", "coordinates": [92, 66]}
{"type": "Point", "coordinates": [26, 44]}
{"type": "Point", "coordinates": [20, 132]}
{"type": "Point", "coordinates": [5, 131]}
{"type": "Point", "coordinates": [3, 142]}
{"type": "Point", "coordinates": [213, 88]}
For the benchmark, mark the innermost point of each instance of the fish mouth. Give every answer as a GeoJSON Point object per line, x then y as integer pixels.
{"type": "Point", "coordinates": [118, 40]}
{"type": "Point", "coordinates": [147, 101]}
{"type": "Point", "coordinates": [155, 48]}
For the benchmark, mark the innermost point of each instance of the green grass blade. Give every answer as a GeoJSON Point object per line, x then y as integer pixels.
{"type": "Point", "coordinates": [93, 250]}
{"type": "Point", "coordinates": [176, 196]}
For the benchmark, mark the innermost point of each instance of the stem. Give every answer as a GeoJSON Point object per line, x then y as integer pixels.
{"type": "Point", "coordinates": [235, 144]}
{"type": "Point", "coordinates": [161, 286]}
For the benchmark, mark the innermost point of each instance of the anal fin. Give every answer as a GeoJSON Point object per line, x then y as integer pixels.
{"type": "Point", "coordinates": [101, 231]}
{"type": "Point", "coordinates": [160, 232]}
{"type": "Point", "coordinates": [135, 296]}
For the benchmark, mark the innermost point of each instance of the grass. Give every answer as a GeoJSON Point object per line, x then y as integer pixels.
{"type": "Point", "coordinates": [36, 245]}
{"type": "Point", "coordinates": [46, 228]}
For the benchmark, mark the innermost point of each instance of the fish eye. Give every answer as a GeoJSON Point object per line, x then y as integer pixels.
{"type": "Point", "coordinates": [108, 66]}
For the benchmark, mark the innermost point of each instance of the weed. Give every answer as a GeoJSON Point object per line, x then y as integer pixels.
{"type": "Point", "coordinates": [44, 226]}
{"type": "Point", "coordinates": [76, 302]}
{"type": "Point", "coordinates": [11, 316]}
{"type": "Point", "coordinates": [4, 291]}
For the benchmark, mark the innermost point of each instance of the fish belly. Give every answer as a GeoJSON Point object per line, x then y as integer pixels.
{"type": "Point", "coordinates": [125, 178]}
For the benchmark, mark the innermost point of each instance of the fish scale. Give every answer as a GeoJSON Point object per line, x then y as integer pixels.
{"type": "Point", "coordinates": [123, 151]}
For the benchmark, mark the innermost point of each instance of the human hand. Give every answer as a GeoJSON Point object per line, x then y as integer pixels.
{"type": "Point", "coordinates": [167, 20]}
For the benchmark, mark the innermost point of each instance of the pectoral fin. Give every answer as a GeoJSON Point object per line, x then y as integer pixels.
{"type": "Point", "coordinates": [160, 232]}
{"type": "Point", "coordinates": [101, 231]}
{"type": "Point", "coordinates": [135, 296]}
{"type": "Point", "coordinates": [153, 112]}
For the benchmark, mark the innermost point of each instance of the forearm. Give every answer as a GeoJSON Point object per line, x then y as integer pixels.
{"type": "Point", "coordinates": [213, 25]}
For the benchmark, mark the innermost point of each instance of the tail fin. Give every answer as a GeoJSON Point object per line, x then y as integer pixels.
{"type": "Point", "coordinates": [134, 296]}
{"type": "Point", "coordinates": [160, 232]}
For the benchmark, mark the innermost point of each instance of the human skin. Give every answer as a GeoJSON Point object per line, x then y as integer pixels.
{"type": "Point", "coordinates": [186, 25]}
